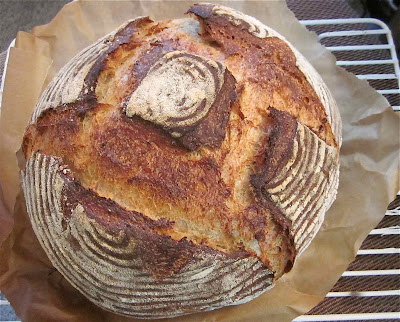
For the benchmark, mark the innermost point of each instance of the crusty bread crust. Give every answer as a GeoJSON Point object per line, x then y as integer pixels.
{"type": "Point", "coordinates": [235, 171]}
{"type": "Point", "coordinates": [118, 260]}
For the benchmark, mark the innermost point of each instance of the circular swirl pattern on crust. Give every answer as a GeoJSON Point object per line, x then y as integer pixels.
{"type": "Point", "coordinates": [178, 91]}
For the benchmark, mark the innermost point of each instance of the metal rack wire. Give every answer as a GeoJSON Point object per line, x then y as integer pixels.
{"type": "Point", "coordinates": [365, 47]}
{"type": "Point", "coordinates": [367, 38]}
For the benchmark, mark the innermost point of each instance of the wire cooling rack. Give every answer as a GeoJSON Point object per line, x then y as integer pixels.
{"type": "Point", "coordinates": [370, 288]}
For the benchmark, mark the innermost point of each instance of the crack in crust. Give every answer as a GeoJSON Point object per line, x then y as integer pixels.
{"type": "Point", "coordinates": [159, 253]}
{"type": "Point", "coordinates": [131, 160]}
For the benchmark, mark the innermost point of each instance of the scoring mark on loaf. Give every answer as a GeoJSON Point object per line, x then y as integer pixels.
{"type": "Point", "coordinates": [179, 91]}
{"type": "Point", "coordinates": [322, 91]}
{"type": "Point", "coordinates": [104, 266]}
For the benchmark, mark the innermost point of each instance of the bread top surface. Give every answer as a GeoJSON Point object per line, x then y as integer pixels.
{"type": "Point", "coordinates": [193, 170]}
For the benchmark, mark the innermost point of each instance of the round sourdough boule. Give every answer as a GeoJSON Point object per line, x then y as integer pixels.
{"type": "Point", "coordinates": [181, 166]}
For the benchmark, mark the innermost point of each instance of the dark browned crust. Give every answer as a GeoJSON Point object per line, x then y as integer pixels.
{"type": "Point", "coordinates": [149, 58]}
{"type": "Point", "coordinates": [151, 159]}
{"type": "Point", "coordinates": [275, 153]}
{"type": "Point", "coordinates": [61, 117]}
{"type": "Point", "coordinates": [269, 64]}
{"type": "Point", "coordinates": [205, 10]}
{"type": "Point", "coordinates": [277, 147]}
{"type": "Point", "coordinates": [123, 36]}
{"type": "Point", "coordinates": [159, 253]}
{"type": "Point", "coordinates": [212, 128]}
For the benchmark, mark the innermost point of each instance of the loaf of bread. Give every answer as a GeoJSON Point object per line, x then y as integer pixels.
{"type": "Point", "coordinates": [180, 166]}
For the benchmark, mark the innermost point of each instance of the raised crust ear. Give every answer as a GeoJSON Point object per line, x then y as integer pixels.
{"type": "Point", "coordinates": [300, 176]}
{"type": "Point", "coordinates": [306, 185]}
{"type": "Point", "coordinates": [108, 265]}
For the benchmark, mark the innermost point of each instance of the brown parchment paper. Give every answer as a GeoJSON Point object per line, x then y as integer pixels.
{"type": "Point", "coordinates": [369, 167]}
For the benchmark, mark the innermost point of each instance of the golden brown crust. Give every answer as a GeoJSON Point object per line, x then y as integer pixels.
{"type": "Point", "coordinates": [107, 260]}
{"type": "Point", "coordinates": [121, 38]}
{"type": "Point", "coordinates": [273, 156]}
{"type": "Point", "coordinates": [208, 183]}
{"type": "Point", "coordinates": [159, 253]}
{"type": "Point", "coordinates": [269, 66]}
{"type": "Point", "coordinates": [131, 155]}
